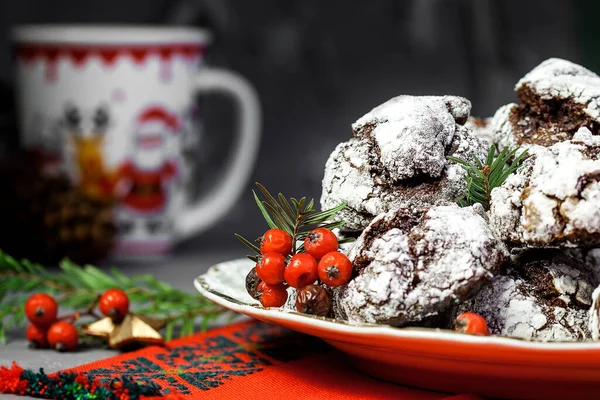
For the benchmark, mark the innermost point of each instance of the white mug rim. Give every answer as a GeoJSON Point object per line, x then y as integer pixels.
{"type": "Point", "coordinates": [108, 34]}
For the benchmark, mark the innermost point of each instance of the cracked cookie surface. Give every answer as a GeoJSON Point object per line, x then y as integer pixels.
{"type": "Point", "coordinates": [556, 99]}
{"type": "Point", "coordinates": [412, 133]}
{"type": "Point", "coordinates": [411, 264]}
{"type": "Point", "coordinates": [552, 199]}
{"type": "Point", "coordinates": [544, 295]}
{"type": "Point", "coordinates": [398, 159]}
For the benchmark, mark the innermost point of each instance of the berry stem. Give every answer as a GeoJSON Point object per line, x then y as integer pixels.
{"type": "Point", "coordinates": [46, 282]}
{"type": "Point", "coordinates": [88, 312]}
{"type": "Point", "coordinates": [78, 314]}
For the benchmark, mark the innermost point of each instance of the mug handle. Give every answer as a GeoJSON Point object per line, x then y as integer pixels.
{"type": "Point", "coordinates": [217, 203]}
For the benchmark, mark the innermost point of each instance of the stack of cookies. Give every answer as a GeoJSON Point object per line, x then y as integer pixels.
{"type": "Point", "coordinates": [528, 265]}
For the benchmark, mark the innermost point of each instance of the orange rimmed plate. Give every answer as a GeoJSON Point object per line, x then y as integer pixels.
{"type": "Point", "coordinates": [428, 358]}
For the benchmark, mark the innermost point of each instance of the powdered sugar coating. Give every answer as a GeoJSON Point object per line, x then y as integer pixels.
{"type": "Point", "coordinates": [353, 175]}
{"type": "Point", "coordinates": [481, 128]}
{"type": "Point", "coordinates": [553, 197]}
{"type": "Point", "coordinates": [501, 128]}
{"type": "Point", "coordinates": [349, 179]}
{"type": "Point", "coordinates": [544, 299]}
{"type": "Point", "coordinates": [561, 79]}
{"type": "Point", "coordinates": [413, 264]}
{"type": "Point", "coordinates": [412, 133]}
{"type": "Point", "coordinates": [557, 98]}
{"type": "Point", "coordinates": [465, 144]}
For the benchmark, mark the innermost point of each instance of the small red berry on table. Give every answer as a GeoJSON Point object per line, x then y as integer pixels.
{"type": "Point", "coordinates": [472, 323]}
{"type": "Point", "coordinates": [271, 268]}
{"type": "Point", "coordinates": [63, 336]}
{"type": "Point", "coordinates": [37, 336]}
{"type": "Point", "coordinates": [276, 241]}
{"type": "Point", "coordinates": [334, 269]}
{"type": "Point", "coordinates": [301, 271]}
{"type": "Point", "coordinates": [319, 242]}
{"type": "Point", "coordinates": [272, 295]}
{"type": "Point", "coordinates": [114, 303]}
{"type": "Point", "coordinates": [314, 300]}
{"type": "Point", "coordinates": [41, 309]}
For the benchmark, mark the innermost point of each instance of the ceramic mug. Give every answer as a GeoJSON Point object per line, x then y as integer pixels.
{"type": "Point", "coordinates": [115, 109]}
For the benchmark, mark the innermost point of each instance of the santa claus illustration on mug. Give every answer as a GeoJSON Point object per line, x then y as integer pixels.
{"type": "Point", "coordinates": [144, 178]}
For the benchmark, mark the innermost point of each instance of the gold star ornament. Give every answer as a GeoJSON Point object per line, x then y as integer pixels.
{"type": "Point", "coordinates": [134, 331]}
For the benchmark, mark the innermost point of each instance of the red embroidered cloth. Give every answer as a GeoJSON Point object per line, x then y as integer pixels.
{"type": "Point", "coordinates": [252, 360]}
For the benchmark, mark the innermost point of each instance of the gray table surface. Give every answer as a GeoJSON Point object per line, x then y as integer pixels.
{"type": "Point", "coordinates": [179, 271]}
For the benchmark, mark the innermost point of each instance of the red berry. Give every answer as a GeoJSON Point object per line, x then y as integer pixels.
{"type": "Point", "coordinates": [276, 241]}
{"type": "Point", "coordinates": [314, 300]}
{"type": "Point", "coordinates": [41, 309]}
{"type": "Point", "coordinates": [301, 271]}
{"type": "Point", "coordinates": [272, 295]}
{"type": "Point", "coordinates": [319, 242]}
{"type": "Point", "coordinates": [335, 269]}
{"type": "Point", "coordinates": [37, 336]}
{"type": "Point", "coordinates": [63, 336]}
{"type": "Point", "coordinates": [114, 303]}
{"type": "Point", "coordinates": [271, 267]}
{"type": "Point", "coordinates": [471, 323]}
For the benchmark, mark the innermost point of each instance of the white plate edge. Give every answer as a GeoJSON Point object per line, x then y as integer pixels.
{"type": "Point", "coordinates": [368, 330]}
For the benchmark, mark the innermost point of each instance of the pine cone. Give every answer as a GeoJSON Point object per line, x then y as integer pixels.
{"type": "Point", "coordinates": [46, 219]}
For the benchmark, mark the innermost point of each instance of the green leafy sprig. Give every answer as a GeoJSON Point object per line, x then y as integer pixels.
{"type": "Point", "coordinates": [482, 177]}
{"type": "Point", "coordinates": [296, 217]}
{"type": "Point", "coordinates": [78, 287]}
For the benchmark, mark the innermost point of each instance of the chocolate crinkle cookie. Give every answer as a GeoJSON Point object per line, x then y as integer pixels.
{"type": "Point", "coordinates": [411, 264]}
{"type": "Point", "coordinates": [412, 134]}
{"type": "Point", "coordinates": [543, 295]}
{"type": "Point", "coordinates": [481, 128]}
{"type": "Point", "coordinates": [556, 99]}
{"type": "Point", "coordinates": [553, 198]}
{"type": "Point", "coordinates": [398, 158]}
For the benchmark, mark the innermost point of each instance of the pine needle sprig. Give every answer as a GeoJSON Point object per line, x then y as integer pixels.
{"type": "Point", "coordinates": [297, 217]}
{"type": "Point", "coordinates": [483, 176]}
{"type": "Point", "coordinates": [77, 287]}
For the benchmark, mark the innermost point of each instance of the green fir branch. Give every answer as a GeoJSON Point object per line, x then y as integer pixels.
{"type": "Point", "coordinates": [77, 287]}
{"type": "Point", "coordinates": [294, 216]}
{"type": "Point", "coordinates": [264, 211]}
{"type": "Point", "coordinates": [482, 177]}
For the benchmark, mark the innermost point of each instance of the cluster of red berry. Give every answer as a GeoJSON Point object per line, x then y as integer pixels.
{"type": "Point", "coordinates": [277, 269]}
{"type": "Point", "coordinates": [47, 330]}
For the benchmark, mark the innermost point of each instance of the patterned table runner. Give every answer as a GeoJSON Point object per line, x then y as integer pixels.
{"type": "Point", "coordinates": [248, 360]}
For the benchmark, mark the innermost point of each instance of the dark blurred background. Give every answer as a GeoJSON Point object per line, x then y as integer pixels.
{"type": "Point", "coordinates": [320, 65]}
